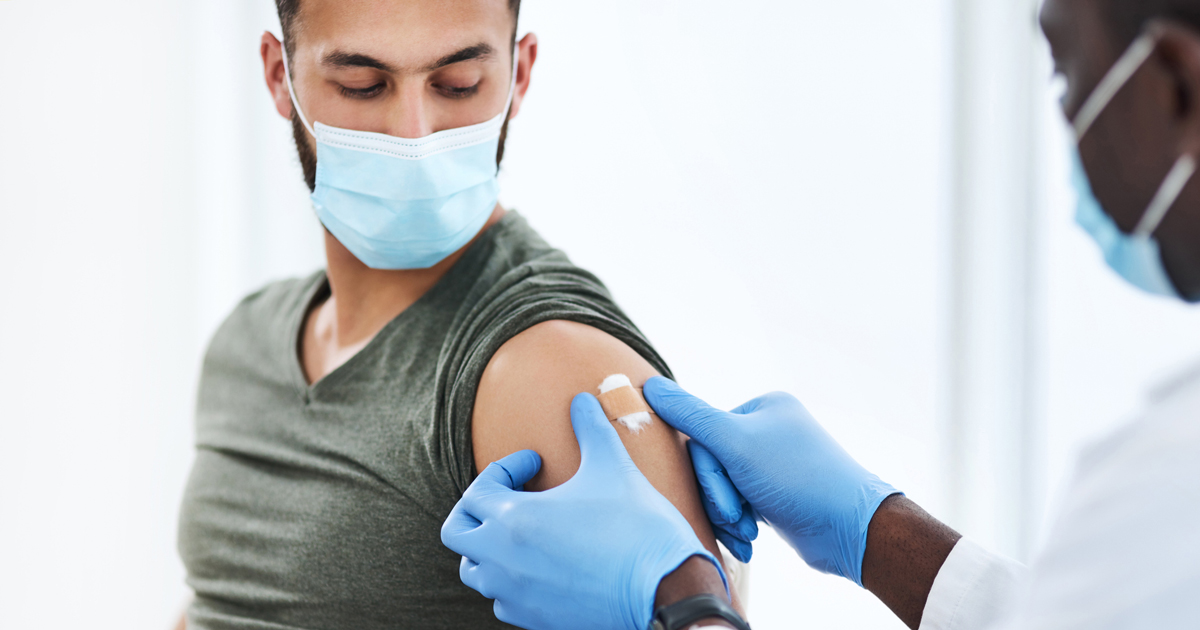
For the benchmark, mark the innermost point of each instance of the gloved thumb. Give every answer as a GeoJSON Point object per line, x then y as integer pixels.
{"type": "Point", "coordinates": [598, 439]}
{"type": "Point", "coordinates": [689, 415]}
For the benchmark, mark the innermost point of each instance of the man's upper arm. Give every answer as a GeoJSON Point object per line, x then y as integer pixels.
{"type": "Point", "coordinates": [524, 402]}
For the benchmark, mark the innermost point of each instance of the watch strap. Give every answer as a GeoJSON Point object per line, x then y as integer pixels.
{"type": "Point", "coordinates": [680, 615]}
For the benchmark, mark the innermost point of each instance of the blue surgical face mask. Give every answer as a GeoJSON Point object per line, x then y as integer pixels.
{"type": "Point", "coordinates": [1136, 257]}
{"type": "Point", "coordinates": [399, 203]}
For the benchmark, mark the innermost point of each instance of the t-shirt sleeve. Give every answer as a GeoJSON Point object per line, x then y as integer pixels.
{"type": "Point", "coordinates": [529, 295]}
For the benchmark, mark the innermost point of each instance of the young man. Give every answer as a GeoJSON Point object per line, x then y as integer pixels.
{"type": "Point", "coordinates": [341, 416]}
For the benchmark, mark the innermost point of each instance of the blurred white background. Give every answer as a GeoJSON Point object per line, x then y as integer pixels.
{"type": "Point", "coordinates": [860, 202]}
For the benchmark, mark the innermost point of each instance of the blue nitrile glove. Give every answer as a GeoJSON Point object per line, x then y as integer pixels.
{"type": "Point", "coordinates": [587, 554]}
{"type": "Point", "coordinates": [790, 471]}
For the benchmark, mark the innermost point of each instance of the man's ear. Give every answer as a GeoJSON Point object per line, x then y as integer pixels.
{"type": "Point", "coordinates": [527, 48]}
{"type": "Point", "coordinates": [272, 56]}
{"type": "Point", "coordinates": [1179, 53]}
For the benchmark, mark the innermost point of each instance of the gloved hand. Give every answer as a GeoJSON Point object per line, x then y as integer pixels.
{"type": "Point", "coordinates": [587, 554]}
{"type": "Point", "coordinates": [773, 457]}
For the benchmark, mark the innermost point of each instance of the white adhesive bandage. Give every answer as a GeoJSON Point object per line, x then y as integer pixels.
{"type": "Point", "coordinates": [622, 403]}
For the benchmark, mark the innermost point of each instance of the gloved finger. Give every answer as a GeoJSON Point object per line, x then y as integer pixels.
{"type": "Point", "coordinates": [739, 549]}
{"type": "Point", "coordinates": [469, 536]}
{"type": "Point", "coordinates": [719, 491]}
{"type": "Point", "coordinates": [688, 414]}
{"type": "Point", "coordinates": [501, 477]}
{"type": "Point", "coordinates": [766, 402]}
{"type": "Point", "coordinates": [474, 576]}
{"type": "Point", "coordinates": [748, 407]}
{"type": "Point", "coordinates": [521, 467]}
{"type": "Point", "coordinates": [515, 612]}
{"type": "Point", "coordinates": [712, 512]}
{"type": "Point", "coordinates": [503, 612]}
{"type": "Point", "coordinates": [599, 442]}
{"type": "Point", "coordinates": [746, 528]}
{"type": "Point", "coordinates": [457, 528]}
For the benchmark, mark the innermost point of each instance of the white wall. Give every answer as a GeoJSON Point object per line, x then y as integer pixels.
{"type": "Point", "coordinates": [780, 176]}
{"type": "Point", "coordinates": [992, 419]}
{"type": "Point", "coordinates": [97, 317]}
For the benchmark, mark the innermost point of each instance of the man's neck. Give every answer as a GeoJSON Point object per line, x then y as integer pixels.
{"type": "Point", "coordinates": [363, 301]}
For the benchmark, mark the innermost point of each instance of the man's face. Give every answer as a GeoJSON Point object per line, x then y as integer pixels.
{"type": "Point", "coordinates": [405, 68]}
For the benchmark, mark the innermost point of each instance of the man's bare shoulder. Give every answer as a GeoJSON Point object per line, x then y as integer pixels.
{"type": "Point", "coordinates": [524, 402]}
{"type": "Point", "coordinates": [525, 394]}
{"type": "Point", "coordinates": [550, 352]}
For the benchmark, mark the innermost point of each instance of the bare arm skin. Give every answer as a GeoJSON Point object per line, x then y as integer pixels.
{"type": "Point", "coordinates": [695, 577]}
{"type": "Point", "coordinates": [524, 402]}
{"type": "Point", "coordinates": [906, 548]}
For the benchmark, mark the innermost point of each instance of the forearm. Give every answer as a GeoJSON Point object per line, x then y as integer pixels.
{"type": "Point", "coordinates": [697, 576]}
{"type": "Point", "coordinates": [906, 548]}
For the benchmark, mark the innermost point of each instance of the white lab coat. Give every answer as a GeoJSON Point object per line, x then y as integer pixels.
{"type": "Point", "coordinates": [1123, 551]}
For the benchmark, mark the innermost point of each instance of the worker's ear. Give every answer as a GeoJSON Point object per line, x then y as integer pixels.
{"type": "Point", "coordinates": [1178, 56]}
{"type": "Point", "coordinates": [272, 56]}
{"type": "Point", "coordinates": [1175, 125]}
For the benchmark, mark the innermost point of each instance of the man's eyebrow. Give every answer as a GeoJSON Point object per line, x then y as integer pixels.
{"type": "Point", "coordinates": [470, 53]}
{"type": "Point", "coordinates": [341, 59]}
{"type": "Point", "coordinates": [355, 60]}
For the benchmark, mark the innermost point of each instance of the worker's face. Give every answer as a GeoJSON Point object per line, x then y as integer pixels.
{"type": "Point", "coordinates": [405, 68]}
{"type": "Point", "coordinates": [1144, 130]}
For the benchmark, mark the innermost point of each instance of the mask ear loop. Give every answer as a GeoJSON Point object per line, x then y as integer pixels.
{"type": "Point", "coordinates": [1120, 74]}
{"type": "Point", "coordinates": [1168, 193]}
{"type": "Point", "coordinates": [512, 85]}
{"type": "Point", "coordinates": [287, 73]}
{"type": "Point", "coordinates": [1129, 63]}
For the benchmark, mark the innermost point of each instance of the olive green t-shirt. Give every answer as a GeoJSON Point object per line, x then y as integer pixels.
{"type": "Point", "coordinates": [320, 508]}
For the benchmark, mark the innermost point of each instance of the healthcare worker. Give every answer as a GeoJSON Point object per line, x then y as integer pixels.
{"type": "Point", "coordinates": [1123, 551]}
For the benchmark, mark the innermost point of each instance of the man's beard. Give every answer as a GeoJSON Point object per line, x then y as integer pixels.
{"type": "Point", "coordinates": [308, 155]}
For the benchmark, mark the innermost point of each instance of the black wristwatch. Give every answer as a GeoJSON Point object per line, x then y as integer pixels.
{"type": "Point", "coordinates": [680, 615]}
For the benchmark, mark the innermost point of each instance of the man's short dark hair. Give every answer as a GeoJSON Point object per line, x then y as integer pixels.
{"type": "Point", "coordinates": [1127, 18]}
{"type": "Point", "coordinates": [289, 11]}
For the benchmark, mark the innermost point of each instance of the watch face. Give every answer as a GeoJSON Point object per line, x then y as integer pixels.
{"type": "Point", "coordinates": [657, 625]}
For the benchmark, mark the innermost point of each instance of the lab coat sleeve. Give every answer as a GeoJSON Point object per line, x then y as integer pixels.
{"type": "Point", "coordinates": [974, 590]}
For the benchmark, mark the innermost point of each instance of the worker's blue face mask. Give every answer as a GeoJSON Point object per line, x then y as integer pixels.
{"type": "Point", "coordinates": [399, 203]}
{"type": "Point", "coordinates": [1136, 257]}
